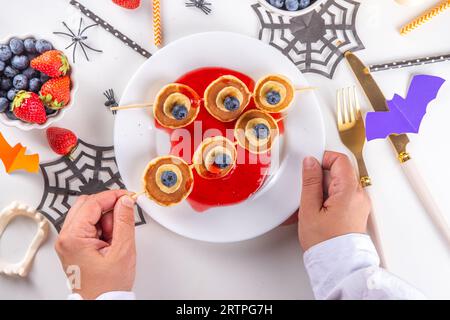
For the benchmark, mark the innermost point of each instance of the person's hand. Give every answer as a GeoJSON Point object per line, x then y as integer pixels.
{"type": "Point", "coordinates": [101, 245]}
{"type": "Point", "coordinates": [333, 203]}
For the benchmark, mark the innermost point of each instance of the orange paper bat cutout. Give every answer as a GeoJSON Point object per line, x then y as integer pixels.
{"type": "Point", "coordinates": [14, 158]}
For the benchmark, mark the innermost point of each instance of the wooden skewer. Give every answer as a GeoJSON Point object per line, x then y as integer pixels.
{"type": "Point", "coordinates": [134, 197]}
{"type": "Point", "coordinates": [305, 89]}
{"type": "Point", "coordinates": [133, 106]}
{"type": "Point", "coordinates": [137, 195]}
{"type": "Point", "coordinates": [146, 105]}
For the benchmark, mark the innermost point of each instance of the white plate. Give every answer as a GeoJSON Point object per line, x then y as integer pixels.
{"type": "Point", "coordinates": [137, 141]}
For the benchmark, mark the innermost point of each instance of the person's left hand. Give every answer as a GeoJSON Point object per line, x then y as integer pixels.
{"type": "Point", "coordinates": [101, 245]}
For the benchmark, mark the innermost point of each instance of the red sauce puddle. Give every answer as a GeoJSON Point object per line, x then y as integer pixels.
{"type": "Point", "coordinates": [251, 170]}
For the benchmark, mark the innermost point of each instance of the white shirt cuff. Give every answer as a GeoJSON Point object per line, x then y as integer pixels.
{"type": "Point", "coordinates": [113, 295]}
{"type": "Point", "coordinates": [330, 262]}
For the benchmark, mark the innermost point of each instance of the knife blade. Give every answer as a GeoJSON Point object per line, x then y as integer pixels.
{"type": "Point", "coordinates": [399, 141]}
{"type": "Point", "coordinates": [377, 100]}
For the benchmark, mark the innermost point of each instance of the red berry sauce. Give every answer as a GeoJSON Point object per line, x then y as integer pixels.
{"type": "Point", "coordinates": [247, 177]}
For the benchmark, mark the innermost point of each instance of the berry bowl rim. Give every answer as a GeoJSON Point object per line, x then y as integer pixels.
{"type": "Point", "coordinates": [50, 120]}
{"type": "Point", "coordinates": [288, 13]}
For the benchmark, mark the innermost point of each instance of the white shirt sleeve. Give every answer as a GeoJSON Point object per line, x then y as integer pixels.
{"type": "Point", "coordinates": [347, 267]}
{"type": "Point", "coordinates": [113, 295]}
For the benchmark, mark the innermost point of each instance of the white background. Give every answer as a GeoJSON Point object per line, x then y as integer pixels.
{"type": "Point", "coordinates": [171, 267]}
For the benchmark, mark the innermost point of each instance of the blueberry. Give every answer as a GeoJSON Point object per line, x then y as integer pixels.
{"type": "Point", "coordinates": [5, 84]}
{"type": "Point", "coordinates": [20, 82]}
{"type": "Point", "coordinates": [44, 78]}
{"type": "Point", "coordinates": [4, 103]}
{"type": "Point", "coordinates": [49, 111]}
{"type": "Point", "coordinates": [231, 103]}
{"type": "Point", "coordinates": [16, 46]}
{"type": "Point", "coordinates": [20, 62]}
{"type": "Point", "coordinates": [5, 52]}
{"type": "Point", "coordinates": [43, 46]}
{"type": "Point", "coordinates": [222, 161]}
{"type": "Point", "coordinates": [35, 85]}
{"type": "Point", "coordinates": [10, 114]}
{"type": "Point", "coordinates": [31, 56]}
{"type": "Point", "coordinates": [292, 5]}
{"type": "Point", "coordinates": [30, 45]}
{"type": "Point", "coordinates": [273, 97]}
{"type": "Point", "coordinates": [2, 94]}
{"type": "Point", "coordinates": [31, 73]}
{"type": "Point", "coordinates": [2, 66]}
{"type": "Point", "coordinates": [261, 131]}
{"type": "Point", "coordinates": [10, 72]}
{"type": "Point", "coordinates": [169, 178]}
{"type": "Point", "coordinates": [304, 3]}
{"type": "Point", "coordinates": [11, 94]}
{"type": "Point", "coordinates": [179, 112]}
{"type": "Point", "coordinates": [276, 3]}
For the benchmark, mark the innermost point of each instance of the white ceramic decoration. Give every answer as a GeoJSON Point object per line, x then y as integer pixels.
{"type": "Point", "coordinates": [137, 140]}
{"type": "Point", "coordinates": [22, 268]}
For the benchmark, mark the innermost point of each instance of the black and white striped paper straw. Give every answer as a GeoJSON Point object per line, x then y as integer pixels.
{"type": "Point", "coordinates": [408, 63]}
{"type": "Point", "coordinates": [109, 28]}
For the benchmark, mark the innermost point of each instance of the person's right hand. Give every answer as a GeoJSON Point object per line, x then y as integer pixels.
{"type": "Point", "coordinates": [331, 208]}
{"type": "Point", "coordinates": [100, 243]}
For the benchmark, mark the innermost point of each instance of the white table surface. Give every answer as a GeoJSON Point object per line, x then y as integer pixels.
{"type": "Point", "coordinates": [269, 267]}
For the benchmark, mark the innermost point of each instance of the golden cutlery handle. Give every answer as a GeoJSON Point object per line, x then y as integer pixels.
{"type": "Point", "coordinates": [363, 173]}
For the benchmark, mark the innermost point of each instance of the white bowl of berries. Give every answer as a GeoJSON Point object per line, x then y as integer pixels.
{"type": "Point", "coordinates": [36, 83]}
{"type": "Point", "coordinates": [292, 8]}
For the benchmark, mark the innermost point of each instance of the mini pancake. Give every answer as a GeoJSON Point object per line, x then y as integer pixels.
{"type": "Point", "coordinates": [279, 85]}
{"type": "Point", "coordinates": [247, 135]}
{"type": "Point", "coordinates": [219, 90]}
{"type": "Point", "coordinates": [172, 193]}
{"type": "Point", "coordinates": [209, 151]}
{"type": "Point", "coordinates": [172, 95]}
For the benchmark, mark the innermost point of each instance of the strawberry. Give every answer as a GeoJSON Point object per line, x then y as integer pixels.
{"type": "Point", "coordinates": [128, 4]}
{"type": "Point", "coordinates": [53, 63]}
{"type": "Point", "coordinates": [28, 107]}
{"type": "Point", "coordinates": [62, 141]}
{"type": "Point", "coordinates": [55, 93]}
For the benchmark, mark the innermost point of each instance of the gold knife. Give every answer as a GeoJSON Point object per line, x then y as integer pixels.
{"type": "Point", "coordinates": [399, 142]}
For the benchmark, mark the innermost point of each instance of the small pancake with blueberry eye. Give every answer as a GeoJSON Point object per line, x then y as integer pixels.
{"type": "Point", "coordinates": [168, 180]}
{"type": "Point", "coordinates": [226, 98]}
{"type": "Point", "coordinates": [256, 131]}
{"type": "Point", "coordinates": [274, 93]}
{"type": "Point", "coordinates": [176, 106]}
{"type": "Point", "coordinates": [215, 157]}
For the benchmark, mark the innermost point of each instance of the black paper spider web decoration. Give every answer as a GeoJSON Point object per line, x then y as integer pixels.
{"type": "Point", "coordinates": [92, 170]}
{"type": "Point", "coordinates": [314, 42]}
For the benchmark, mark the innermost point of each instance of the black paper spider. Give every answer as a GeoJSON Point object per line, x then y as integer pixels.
{"type": "Point", "coordinates": [111, 99]}
{"type": "Point", "coordinates": [92, 170]}
{"type": "Point", "coordinates": [201, 4]}
{"type": "Point", "coordinates": [78, 39]}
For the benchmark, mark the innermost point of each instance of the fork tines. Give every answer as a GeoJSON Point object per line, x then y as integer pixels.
{"type": "Point", "coordinates": [348, 107]}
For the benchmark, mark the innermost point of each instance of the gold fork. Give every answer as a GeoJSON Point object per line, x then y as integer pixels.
{"type": "Point", "coordinates": [353, 135]}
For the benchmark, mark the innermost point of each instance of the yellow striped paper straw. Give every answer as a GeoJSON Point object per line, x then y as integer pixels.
{"type": "Point", "coordinates": [427, 16]}
{"type": "Point", "coordinates": [157, 29]}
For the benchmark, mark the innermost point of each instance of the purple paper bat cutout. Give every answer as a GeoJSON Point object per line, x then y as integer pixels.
{"type": "Point", "coordinates": [404, 115]}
